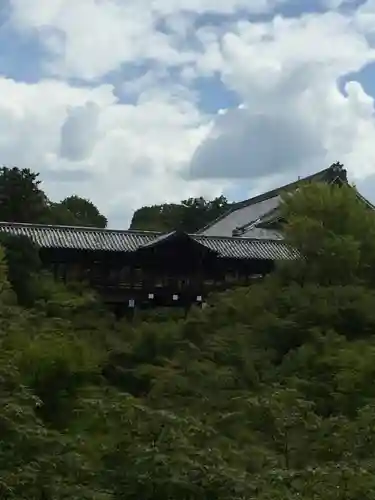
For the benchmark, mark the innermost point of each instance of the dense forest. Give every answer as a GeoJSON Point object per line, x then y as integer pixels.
{"type": "Point", "coordinates": [188, 216]}
{"type": "Point", "coordinates": [266, 394]}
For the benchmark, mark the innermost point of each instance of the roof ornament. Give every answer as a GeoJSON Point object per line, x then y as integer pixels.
{"type": "Point", "coordinates": [337, 167]}
{"type": "Point", "coordinates": [339, 172]}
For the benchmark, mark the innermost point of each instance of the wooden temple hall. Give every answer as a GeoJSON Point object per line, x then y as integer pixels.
{"type": "Point", "coordinates": [145, 269]}
{"type": "Point", "coordinates": [142, 269]}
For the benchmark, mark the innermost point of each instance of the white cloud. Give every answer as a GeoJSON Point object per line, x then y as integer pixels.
{"type": "Point", "coordinates": [296, 118]}
{"type": "Point", "coordinates": [83, 140]}
{"type": "Point", "coordinates": [167, 7]}
{"type": "Point", "coordinates": [79, 131]}
{"type": "Point", "coordinates": [89, 38]}
{"type": "Point", "coordinates": [293, 118]}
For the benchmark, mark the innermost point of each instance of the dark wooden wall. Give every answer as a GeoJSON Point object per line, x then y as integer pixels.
{"type": "Point", "coordinates": [158, 276]}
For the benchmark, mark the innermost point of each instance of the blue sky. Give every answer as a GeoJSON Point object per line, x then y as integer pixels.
{"type": "Point", "coordinates": [156, 101]}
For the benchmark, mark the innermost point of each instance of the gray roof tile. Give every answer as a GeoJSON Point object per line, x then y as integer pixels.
{"type": "Point", "coordinates": [249, 211]}
{"type": "Point", "coordinates": [241, 217]}
{"type": "Point", "coordinates": [247, 248]}
{"type": "Point", "coordinates": [81, 238]}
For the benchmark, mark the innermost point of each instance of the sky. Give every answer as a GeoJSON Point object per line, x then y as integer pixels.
{"type": "Point", "coordinates": [151, 101]}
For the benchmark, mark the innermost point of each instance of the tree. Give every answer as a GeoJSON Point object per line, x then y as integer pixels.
{"type": "Point", "coordinates": [23, 267]}
{"type": "Point", "coordinates": [60, 215]}
{"type": "Point", "coordinates": [198, 212]}
{"type": "Point", "coordinates": [36, 462]}
{"type": "Point", "coordinates": [334, 231]}
{"type": "Point", "coordinates": [267, 393]}
{"type": "Point", "coordinates": [163, 218]}
{"type": "Point", "coordinates": [161, 455]}
{"type": "Point", "coordinates": [83, 212]}
{"type": "Point", "coordinates": [21, 199]}
{"type": "Point", "coordinates": [189, 215]}
{"type": "Point", "coordinates": [334, 373]}
{"type": "Point", "coordinates": [6, 293]}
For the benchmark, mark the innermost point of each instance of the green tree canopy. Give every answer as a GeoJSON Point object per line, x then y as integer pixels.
{"type": "Point", "coordinates": [265, 394]}
{"type": "Point", "coordinates": [23, 267]}
{"type": "Point", "coordinates": [189, 215]}
{"type": "Point", "coordinates": [334, 231]}
{"type": "Point", "coordinates": [84, 212]}
{"type": "Point", "coordinates": [21, 197]}
{"type": "Point", "coordinates": [23, 200]}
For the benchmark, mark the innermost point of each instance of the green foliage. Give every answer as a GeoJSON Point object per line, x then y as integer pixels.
{"type": "Point", "coordinates": [21, 198]}
{"type": "Point", "coordinates": [23, 265]}
{"type": "Point", "coordinates": [6, 292]}
{"type": "Point", "coordinates": [266, 394]}
{"type": "Point", "coordinates": [35, 463]}
{"type": "Point", "coordinates": [296, 407]}
{"type": "Point", "coordinates": [35, 287]}
{"type": "Point", "coordinates": [59, 215]}
{"type": "Point", "coordinates": [334, 231]}
{"type": "Point", "coordinates": [162, 455]}
{"type": "Point", "coordinates": [55, 368]}
{"type": "Point", "coordinates": [189, 216]}
{"type": "Point", "coordinates": [84, 212]}
{"type": "Point", "coordinates": [74, 211]}
{"type": "Point", "coordinates": [64, 301]}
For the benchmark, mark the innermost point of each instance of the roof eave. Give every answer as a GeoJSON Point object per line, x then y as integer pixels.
{"type": "Point", "coordinates": [335, 167]}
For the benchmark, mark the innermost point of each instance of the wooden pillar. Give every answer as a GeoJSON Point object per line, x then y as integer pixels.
{"type": "Point", "coordinates": [131, 309]}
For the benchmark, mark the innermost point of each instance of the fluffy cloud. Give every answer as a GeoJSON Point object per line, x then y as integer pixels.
{"type": "Point", "coordinates": [89, 38]}
{"type": "Point", "coordinates": [80, 139]}
{"type": "Point", "coordinates": [79, 131]}
{"type": "Point", "coordinates": [294, 117]}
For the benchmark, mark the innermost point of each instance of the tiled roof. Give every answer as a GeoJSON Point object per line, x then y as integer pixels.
{"type": "Point", "coordinates": [241, 217]}
{"type": "Point", "coordinates": [247, 248]}
{"type": "Point", "coordinates": [263, 227]}
{"type": "Point", "coordinates": [158, 239]}
{"type": "Point", "coordinates": [81, 238]}
{"type": "Point", "coordinates": [243, 214]}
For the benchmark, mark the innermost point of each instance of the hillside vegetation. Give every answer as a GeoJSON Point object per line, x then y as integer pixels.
{"type": "Point", "coordinates": [267, 394]}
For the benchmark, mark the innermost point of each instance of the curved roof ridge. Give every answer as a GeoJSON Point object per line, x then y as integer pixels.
{"type": "Point", "coordinates": [77, 228]}
{"type": "Point", "coordinates": [331, 174]}
{"type": "Point", "coordinates": [53, 237]}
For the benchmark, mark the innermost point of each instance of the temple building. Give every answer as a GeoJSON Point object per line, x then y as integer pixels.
{"type": "Point", "coordinates": [259, 217]}
{"type": "Point", "coordinates": [145, 269]}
